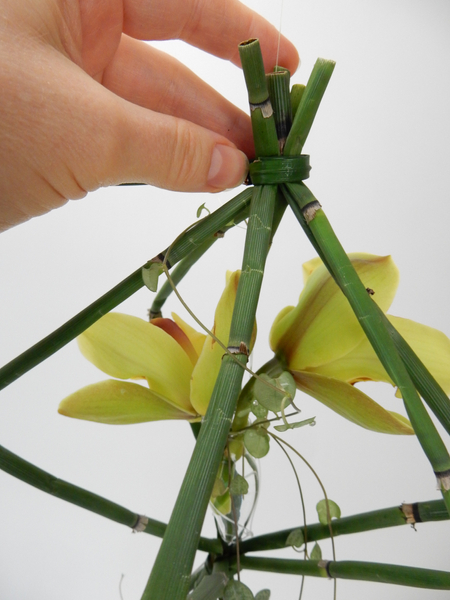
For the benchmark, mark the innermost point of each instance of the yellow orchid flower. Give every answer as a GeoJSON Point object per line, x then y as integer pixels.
{"type": "Point", "coordinates": [327, 352]}
{"type": "Point", "coordinates": [179, 364]}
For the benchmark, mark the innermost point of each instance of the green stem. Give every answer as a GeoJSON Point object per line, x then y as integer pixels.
{"type": "Point", "coordinates": [375, 329]}
{"type": "Point", "coordinates": [263, 123]}
{"type": "Point", "coordinates": [433, 510]}
{"type": "Point", "coordinates": [177, 275]}
{"type": "Point", "coordinates": [40, 479]}
{"type": "Point", "coordinates": [356, 570]}
{"type": "Point", "coordinates": [278, 87]}
{"type": "Point", "coordinates": [308, 106]}
{"type": "Point", "coordinates": [169, 579]}
{"type": "Point", "coordinates": [426, 385]}
{"type": "Point", "coordinates": [296, 96]}
{"type": "Point", "coordinates": [185, 244]}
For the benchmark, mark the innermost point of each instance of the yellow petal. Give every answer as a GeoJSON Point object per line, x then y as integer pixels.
{"type": "Point", "coordinates": [309, 267]}
{"type": "Point", "coordinates": [119, 403]}
{"type": "Point", "coordinates": [207, 368]}
{"type": "Point", "coordinates": [431, 346]}
{"type": "Point", "coordinates": [127, 347]}
{"type": "Point", "coordinates": [352, 404]}
{"type": "Point", "coordinates": [196, 338]}
{"type": "Point", "coordinates": [172, 329]}
{"type": "Point", "coordinates": [322, 327]}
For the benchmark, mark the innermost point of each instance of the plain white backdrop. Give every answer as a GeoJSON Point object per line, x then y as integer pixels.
{"type": "Point", "coordinates": [380, 153]}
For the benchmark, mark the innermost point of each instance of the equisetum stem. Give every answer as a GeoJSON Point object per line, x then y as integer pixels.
{"type": "Point", "coordinates": [170, 577]}
{"type": "Point", "coordinates": [355, 570]}
{"type": "Point", "coordinates": [27, 472]}
{"type": "Point", "coordinates": [188, 242]}
{"type": "Point", "coordinates": [376, 331]}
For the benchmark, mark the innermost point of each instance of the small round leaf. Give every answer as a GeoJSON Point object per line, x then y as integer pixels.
{"type": "Point", "coordinates": [316, 553]}
{"type": "Point", "coordinates": [236, 590]}
{"type": "Point", "coordinates": [239, 486]}
{"type": "Point", "coordinates": [256, 441]}
{"type": "Point", "coordinates": [296, 538]}
{"type": "Point", "coordinates": [335, 511]}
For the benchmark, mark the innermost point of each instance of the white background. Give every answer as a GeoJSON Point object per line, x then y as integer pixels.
{"type": "Point", "coordinates": [380, 154]}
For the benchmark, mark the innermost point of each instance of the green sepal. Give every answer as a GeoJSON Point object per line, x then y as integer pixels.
{"type": "Point", "coordinates": [150, 274]}
{"type": "Point", "coordinates": [321, 507]}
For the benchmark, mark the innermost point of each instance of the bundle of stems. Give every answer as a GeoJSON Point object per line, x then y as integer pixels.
{"type": "Point", "coordinates": [281, 123]}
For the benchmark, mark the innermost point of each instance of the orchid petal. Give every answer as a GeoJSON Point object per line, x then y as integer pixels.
{"type": "Point", "coordinates": [351, 403]}
{"type": "Point", "coordinates": [196, 338]}
{"type": "Point", "coordinates": [128, 347]}
{"type": "Point", "coordinates": [172, 329]}
{"type": "Point", "coordinates": [119, 403]}
{"type": "Point", "coordinates": [322, 327]}
{"type": "Point", "coordinates": [362, 364]}
{"type": "Point", "coordinates": [208, 365]}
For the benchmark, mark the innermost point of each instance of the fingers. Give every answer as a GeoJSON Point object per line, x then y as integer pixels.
{"type": "Point", "coordinates": [154, 80]}
{"type": "Point", "coordinates": [216, 26]}
{"type": "Point", "coordinates": [172, 153]}
{"type": "Point", "coordinates": [71, 135]}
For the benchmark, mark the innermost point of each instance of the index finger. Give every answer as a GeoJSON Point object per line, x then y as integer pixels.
{"type": "Point", "coordinates": [216, 26]}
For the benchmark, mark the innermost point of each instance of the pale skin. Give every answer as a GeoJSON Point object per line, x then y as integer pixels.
{"type": "Point", "coordinates": [85, 103]}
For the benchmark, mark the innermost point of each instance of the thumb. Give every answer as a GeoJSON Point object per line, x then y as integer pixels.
{"type": "Point", "coordinates": [172, 153]}
{"type": "Point", "coordinates": [64, 134]}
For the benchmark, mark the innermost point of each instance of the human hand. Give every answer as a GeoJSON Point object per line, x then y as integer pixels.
{"type": "Point", "coordinates": [85, 103]}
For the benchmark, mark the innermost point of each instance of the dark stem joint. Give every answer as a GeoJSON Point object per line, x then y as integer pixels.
{"type": "Point", "coordinates": [443, 479]}
{"type": "Point", "coordinates": [325, 564]}
{"type": "Point", "coordinates": [154, 315]}
{"type": "Point", "coordinates": [140, 524]}
{"type": "Point", "coordinates": [265, 108]}
{"type": "Point", "coordinates": [310, 209]}
{"type": "Point", "coordinates": [416, 513]}
{"type": "Point", "coordinates": [241, 349]}
{"type": "Point", "coordinates": [160, 258]}
{"type": "Point", "coordinates": [411, 513]}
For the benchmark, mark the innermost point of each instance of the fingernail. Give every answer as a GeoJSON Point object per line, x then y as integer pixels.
{"type": "Point", "coordinates": [228, 167]}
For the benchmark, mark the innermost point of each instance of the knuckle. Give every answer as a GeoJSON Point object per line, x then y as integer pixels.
{"type": "Point", "coordinates": [188, 157]}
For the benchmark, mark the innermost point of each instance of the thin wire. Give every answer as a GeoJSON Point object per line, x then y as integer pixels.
{"type": "Point", "coordinates": [279, 32]}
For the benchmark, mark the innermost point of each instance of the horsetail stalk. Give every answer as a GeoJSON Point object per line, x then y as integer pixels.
{"type": "Point", "coordinates": [263, 124]}
{"type": "Point", "coordinates": [376, 331]}
{"type": "Point", "coordinates": [169, 579]}
{"type": "Point", "coordinates": [406, 514]}
{"type": "Point", "coordinates": [308, 106]}
{"type": "Point", "coordinates": [278, 87]}
{"type": "Point", "coordinates": [186, 243]}
{"type": "Point", "coordinates": [425, 383]}
{"type": "Point", "coordinates": [354, 570]}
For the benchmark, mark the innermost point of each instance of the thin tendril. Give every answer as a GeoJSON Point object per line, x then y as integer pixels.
{"type": "Point", "coordinates": [276, 437]}
{"type": "Point", "coordinates": [197, 320]}
{"type": "Point", "coordinates": [301, 493]}
{"type": "Point", "coordinates": [279, 33]}
{"type": "Point", "coordinates": [233, 510]}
